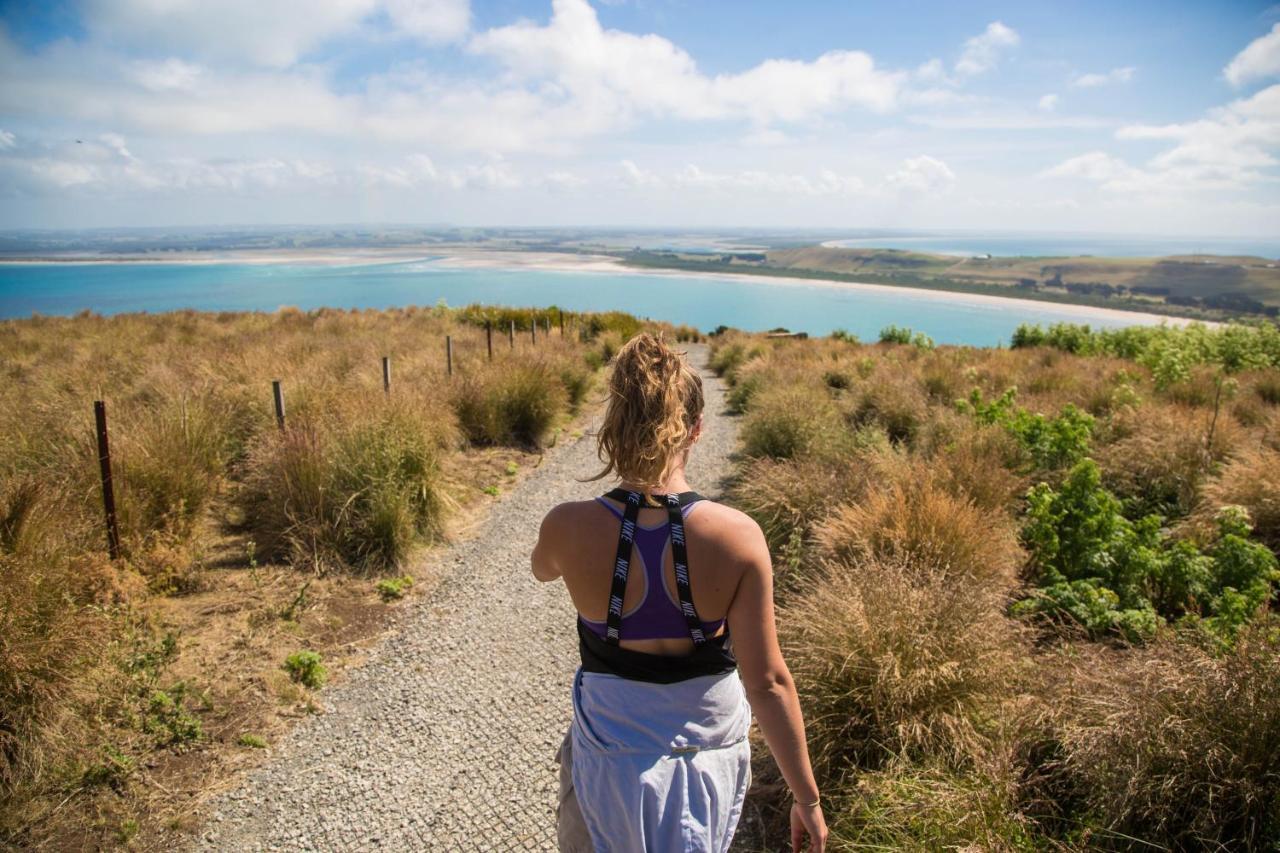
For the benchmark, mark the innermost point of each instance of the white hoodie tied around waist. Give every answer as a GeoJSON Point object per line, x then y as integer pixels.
{"type": "Point", "coordinates": [660, 767]}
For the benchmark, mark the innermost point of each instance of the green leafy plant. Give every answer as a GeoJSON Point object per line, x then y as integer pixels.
{"type": "Point", "coordinates": [167, 716]}
{"type": "Point", "coordinates": [393, 589]}
{"type": "Point", "coordinates": [1113, 575]}
{"type": "Point", "coordinates": [1056, 442]}
{"type": "Point", "coordinates": [305, 667]}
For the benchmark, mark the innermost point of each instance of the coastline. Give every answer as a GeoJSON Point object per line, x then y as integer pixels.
{"type": "Point", "coordinates": [605, 263]}
{"type": "Point", "coordinates": [460, 257]}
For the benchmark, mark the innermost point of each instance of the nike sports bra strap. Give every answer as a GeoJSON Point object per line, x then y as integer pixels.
{"type": "Point", "coordinates": [679, 555]}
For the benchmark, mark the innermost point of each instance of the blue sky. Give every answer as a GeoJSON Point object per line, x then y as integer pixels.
{"type": "Point", "coordinates": [1155, 118]}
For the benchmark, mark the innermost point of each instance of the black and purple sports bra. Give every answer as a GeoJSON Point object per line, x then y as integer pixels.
{"type": "Point", "coordinates": [657, 616]}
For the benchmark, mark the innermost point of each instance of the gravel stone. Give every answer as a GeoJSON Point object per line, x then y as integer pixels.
{"type": "Point", "coordinates": [444, 739]}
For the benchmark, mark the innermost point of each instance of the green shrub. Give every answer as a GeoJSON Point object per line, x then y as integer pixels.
{"type": "Point", "coordinates": [895, 335]}
{"type": "Point", "coordinates": [576, 385]}
{"type": "Point", "coordinates": [167, 716]}
{"type": "Point", "coordinates": [837, 380]}
{"type": "Point", "coordinates": [1056, 442]}
{"type": "Point", "coordinates": [1108, 573]}
{"type": "Point", "coordinates": [392, 589]}
{"type": "Point", "coordinates": [305, 667]}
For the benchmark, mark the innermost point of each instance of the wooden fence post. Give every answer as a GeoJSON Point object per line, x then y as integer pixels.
{"type": "Point", "coordinates": [561, 310]}
{"type": "Point", "coordinates": [533, 329]}
{"type": "Point", "coordinates": [488, 337]}
{"type": "Point", "coordinates": [448, 353]}
{"type": "Point", "coordinates": [108, 492]}
{"type": "Point", "coordinates": [278, 393]}
{"type": "Point", "coordinates": [386, 374]}
{"type": "Point", "coordinates": [511, 334]}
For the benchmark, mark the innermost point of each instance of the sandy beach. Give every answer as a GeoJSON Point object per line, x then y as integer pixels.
{"type": "Point", "coordinates": [606, 264]}
{"type": "Point", "coordinates": [462, 257]}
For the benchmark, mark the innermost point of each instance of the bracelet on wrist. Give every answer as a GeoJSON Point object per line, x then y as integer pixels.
{"type": "Point", "coordinates": [816, 801]}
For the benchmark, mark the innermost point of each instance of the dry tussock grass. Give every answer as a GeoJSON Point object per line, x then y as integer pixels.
{"type": "Point", "coordinates": [910, 519]}
{"type": "Point", "coordinates": [1159, 456]}
{"type": "Point", "coordinates": [1251, 480]}
{"type": "Point", "coordinates": [893, 660]}
{"type": "Point", "coordinates": [1179, 742]}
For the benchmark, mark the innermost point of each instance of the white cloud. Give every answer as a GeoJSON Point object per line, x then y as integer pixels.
{"type": "Point", "coordinates": [1243, 135]}
{"type": "Point", "coordinates": [1094, 80]}
{"type": "Point", "coordinates": [634, 176]}
{"type": "Point", "coordinates": [923, 174]}
{"type": "Point", "coordinates": [932, 71]}
{"type": "Point", "coordinates": [7, 140]}
{"type": "Point", "coordinates": [1048, 103]}
{"type": "Point", "coordinates": [617, 73]}
{"type": "Point", "coordinates": [165, 75]}
{"type": "Point", "coordinates": [1097, 166]}
{"type": "Point", "coordinates": [431, 21]}
{"type": "Point", "coordinates": [105, 166]}
{"type": "Point", "coordinates": [1233, 148]}
{"type": "Point", "coordinates": [562, 181]}
{"type": "Point", "coordinates": [274, 34]}
{"type": "Point", "coordinates": [982, 52]}
{"type": "Point", "coordinates": [826, 182]}
{"type": "Point", "coordinates": [1011, 120]}
{"type": "Point", "coordinates": [1260, 59]}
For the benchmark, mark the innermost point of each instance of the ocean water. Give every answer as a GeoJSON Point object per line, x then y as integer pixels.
{"type": "Point", "coordinates": [701, 301]}
{"type": "Point", "coordinates": [1013, 245]}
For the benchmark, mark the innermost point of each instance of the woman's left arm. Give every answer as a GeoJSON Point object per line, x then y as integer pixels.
{"type": "Point", "coordinates": [544, 564]}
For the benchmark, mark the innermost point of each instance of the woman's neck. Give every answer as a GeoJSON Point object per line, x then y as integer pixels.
{"type": "Point", "coordinates": [674, 484]}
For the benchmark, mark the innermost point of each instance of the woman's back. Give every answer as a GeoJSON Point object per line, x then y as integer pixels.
{"type": "Point", "coordinates": [584, 538]}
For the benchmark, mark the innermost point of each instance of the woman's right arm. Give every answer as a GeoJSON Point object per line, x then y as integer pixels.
{"type": "Point", "coordinates": [769, 686]}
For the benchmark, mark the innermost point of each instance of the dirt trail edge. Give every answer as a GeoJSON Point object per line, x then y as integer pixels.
{"type": "Point", "coordinates": [445, 738]}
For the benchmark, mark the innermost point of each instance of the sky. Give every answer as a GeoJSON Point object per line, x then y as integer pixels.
{"type": "Point", "coordinates": [1137, 117]}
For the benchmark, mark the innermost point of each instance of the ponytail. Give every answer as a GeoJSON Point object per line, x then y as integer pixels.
{"type": "Point", "coordinates": [655, 399]}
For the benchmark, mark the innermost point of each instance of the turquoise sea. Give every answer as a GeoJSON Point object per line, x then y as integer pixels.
{"type": "Point", "coordinates": [702, 301]}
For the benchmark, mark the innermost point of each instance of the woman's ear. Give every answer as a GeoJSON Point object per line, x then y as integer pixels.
{"type": "Point", "coordinates": [697, 431]}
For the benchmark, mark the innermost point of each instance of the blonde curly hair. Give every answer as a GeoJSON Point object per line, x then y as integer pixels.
{"type": "Point", "coordinates": [655, 400]}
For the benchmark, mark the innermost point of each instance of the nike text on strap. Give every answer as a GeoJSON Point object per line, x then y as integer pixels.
{"type": "Point", "coordinates": [679, 555]}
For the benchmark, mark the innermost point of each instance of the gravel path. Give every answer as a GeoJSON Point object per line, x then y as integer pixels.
{"type": "Point", "coordinates": [445, 738]}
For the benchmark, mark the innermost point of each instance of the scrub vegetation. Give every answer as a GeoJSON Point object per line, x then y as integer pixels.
{"type": "Point", "coordinates": [126, 684]}
{"type": "Point", "coordinates": [1028, 595]}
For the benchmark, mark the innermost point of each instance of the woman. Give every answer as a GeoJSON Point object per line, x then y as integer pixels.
{"type": "Point", "coordinates": [657, 757]}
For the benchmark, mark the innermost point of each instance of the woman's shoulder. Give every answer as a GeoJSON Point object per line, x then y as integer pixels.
{"type": "Point", "coordinates": [729, 526]}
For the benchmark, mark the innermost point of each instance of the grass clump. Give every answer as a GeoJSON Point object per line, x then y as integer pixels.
{"type": "Point", "coordinates": [894, 661]}
{"type": "Point", "coordinates": [1179, 743]}
{"type": "Point", "coordinates": [305, 667]}
{"type": "Point", "coordinates": [252, 741]}
{"type": "Point", "coordinates": [355, 493]}
{"type": "Point", "coordinates": [790, 422]}
{"type": "Point", "coordinates": [517, 406]}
